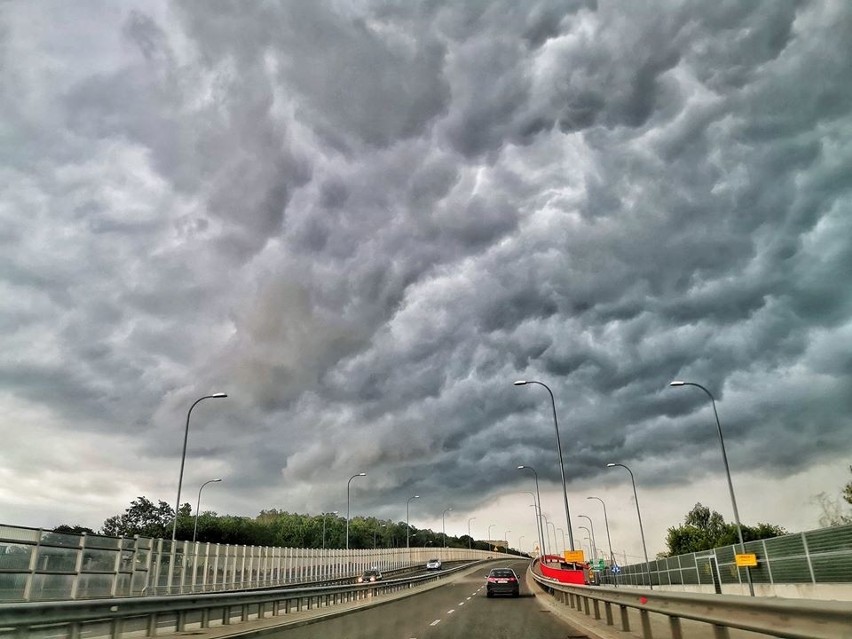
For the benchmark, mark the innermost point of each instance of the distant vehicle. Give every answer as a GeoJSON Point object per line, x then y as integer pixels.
{"type": "Point", "coordinates": [502, 581]}
{"type": "Point", "coordinates": [434, 564]}
{"type": "Point", "coordinates": [372, 574]}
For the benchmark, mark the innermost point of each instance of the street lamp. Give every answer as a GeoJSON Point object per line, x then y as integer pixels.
{"type": "Point", "coordinates": [591, 548]}
{"type": "Point", "coordinates": [727, 473]}
{"type": "Point", "coordinates": [606, 523]}
{"type": "Point", "coordinates": [469, 538]}
{"type": "Point", "coordinates": [522, 382]}
{"type": "Point", "coordinates": [639, 516]}
{"type": "Point", "coordinates": [552, 526]}
{"type": "Point", "coordinates": [489, 535]}
{"type": "Point", "coordinates": [520, 539]}
{"type": "Point", "coordinates": [407, 527]}
{"type": "Point", "coordinates": [506, 539]}
{"type": "Point", "coordinates": [594, 542]}
{"type": "Point", "coordinates": [198, 506]}
{"type": "Point", "coordinates": [444, 523]}
{"type": "Point", "coordinates": [538, 520]}
{"type": "Point", "coordinates": [562, 532]}
{"type": "Point", "coordinates": [333, 512]}
{"type": "Point", "coordinates": [347, 505]}
{"type": "Point", "coordinates": [180, 480]}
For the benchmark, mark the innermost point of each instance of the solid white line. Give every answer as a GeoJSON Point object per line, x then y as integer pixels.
{"type": "Point", "coordinates": [435, 623]}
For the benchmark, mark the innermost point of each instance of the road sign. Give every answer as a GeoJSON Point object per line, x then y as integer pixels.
{"type": "Point", "coordinates": [746, 560]}
{"type": "Point", "coordinates": [616, 568]}
{"type": "Point", "coordinates": [601, 564]}
{"type": "Point", "coordinates": [575, 556]}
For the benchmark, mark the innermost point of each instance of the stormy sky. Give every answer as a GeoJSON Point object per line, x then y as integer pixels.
{"type": "Point", "coordinates": [363, 220]}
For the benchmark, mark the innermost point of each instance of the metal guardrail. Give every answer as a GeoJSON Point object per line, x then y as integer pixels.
{"type": "Point", "coordinates": [787, 618]}
{"type": "Point", "coordinates": [115, 618]}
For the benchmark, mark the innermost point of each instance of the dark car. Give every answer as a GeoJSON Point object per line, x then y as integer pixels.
{"type": "Point", "coordinates": [502, 581]}
{"type": "Point", "coordinates": [370, 575]}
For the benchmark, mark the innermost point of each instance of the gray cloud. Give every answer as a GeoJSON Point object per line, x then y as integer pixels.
{"type": "Point", "coordinates": [364, 222]}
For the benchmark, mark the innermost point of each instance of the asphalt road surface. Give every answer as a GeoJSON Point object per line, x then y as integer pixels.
{"type": "Point", "coordinates": [456, 610]}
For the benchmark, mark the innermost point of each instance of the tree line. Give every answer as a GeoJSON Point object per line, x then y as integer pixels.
{"type": "Point", "coordinates": [702, 529]}
{"type": "Point", "coordinates": [271, 528]}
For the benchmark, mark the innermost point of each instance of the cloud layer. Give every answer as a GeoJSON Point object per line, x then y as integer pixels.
{"type": "Point", "coordinates": [365, 220]}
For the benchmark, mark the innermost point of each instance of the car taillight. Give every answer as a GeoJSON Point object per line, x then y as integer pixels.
{"type": "Point", "coordinates": [511, 579]}
{"type": "Point", "coordinates": [492, 579]}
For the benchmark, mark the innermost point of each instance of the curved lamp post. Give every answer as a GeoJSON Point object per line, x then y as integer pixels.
{"type": "Point", "coordinates": [469, 538]}
{"type": "Point", "coordinates": [333, 512]}
{"type": "Point", "coordinates": [523, 382]}
{"type": "Point", "coordinates": [538, 495]}
{"type": "Point", "coordinates": [727, 473]}
{"type": "Point", "coordinates": [520, 539]}
{"type": "Point", "coordinates": [180, 480]}
{"type": "Point", "coordinates": [594, 543]}
{"type": "Point", "coordinates": [639, 516]}
{"type": "Point", "coordinates": [562, 533]}
{"type": "Point", "coordinates": [444, 523]}
{"type": "Point", "coordinates": [198, 506]}
{"type": "Point", "coordinates": [490, 526]}
{"type": "Point", "coordinates": [538, 519]}
{"type": "Point", "coordinates": [347, 505]}
{"type": "Point", "coordinates": [506, 539]}
{"type": "Point", "coordinates": [591, 549]}
{"type": "Point", "coordinates": [407, 526]}
{"type": "Point", "coordinates": [606, 523]}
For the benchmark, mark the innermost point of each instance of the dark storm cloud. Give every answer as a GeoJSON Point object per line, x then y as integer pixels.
{"type": "Point", "coordinates": [365, 220]}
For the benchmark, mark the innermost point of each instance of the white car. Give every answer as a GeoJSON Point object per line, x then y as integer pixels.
{"type": "Point", "coordinates": [433, 564]}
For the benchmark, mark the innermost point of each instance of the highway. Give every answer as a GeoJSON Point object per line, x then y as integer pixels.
{"type": "Point", "coordinates": [457, 609]}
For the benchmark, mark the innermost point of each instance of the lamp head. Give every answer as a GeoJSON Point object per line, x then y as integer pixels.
{"type": "Point", "coordinates": [416, 497]}
{"type": "Point", "coordinates": [677, 382]}
{"type": "Point", "coordinates": [215, 480]}
{"type": "Point", "coordinates": [362, 474]}
{"type": "Point", "coordinates": [520, 382]}
{"type": "Point", "coordinates": [610, 465]}
{"type": "Point", "coordinates": [217, 395]}
{"type": "Point", "coordinates": [521, 467]}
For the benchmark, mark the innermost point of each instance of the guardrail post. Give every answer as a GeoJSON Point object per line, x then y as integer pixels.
{"type": "Point", "coordinates": [646, 624]}
{"type": "Point", "coordinates": [608, 613]}
{"type": "Point", "coordinates": [625, 620]}
{"type": "Point", "coordinates": [596, 606]}
{"type": "Point", "coordinates": [674, 624]}
{"type": "Point", "coordinates": [586, 605]}
{"type": "Point", "coordinates": [720, 632]}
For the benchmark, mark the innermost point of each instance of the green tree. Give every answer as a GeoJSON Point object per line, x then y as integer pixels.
{"type": "Point", "coordinates": [847, 490]}
{"type": "Point", "coordinates": [704, 529]}
{"type": "Point", "coordinates": [146, 519]}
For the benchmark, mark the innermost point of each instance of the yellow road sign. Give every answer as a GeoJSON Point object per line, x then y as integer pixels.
{"type": "Point", "coordinates": [575, 556]}
{"type": "Point", "coordinates": [746, 560]}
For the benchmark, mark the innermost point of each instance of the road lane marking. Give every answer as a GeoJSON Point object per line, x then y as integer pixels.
{"type": "Point", "coordinates": [461, 603]}
{"type": "Point", "coordinates": [435, 623]}
{"type": "Point", "coordinates": [469, 597]}
{"type": "Point", "coordinates": [449, 612]}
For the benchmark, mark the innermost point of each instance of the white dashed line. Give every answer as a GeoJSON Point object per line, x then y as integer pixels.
{"type": "Point", "coordinates": [435, 623]}
{"type": "Point", "coordinates": [449, 612]}
{"type": "Point", "coordinates": [469, 597]}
